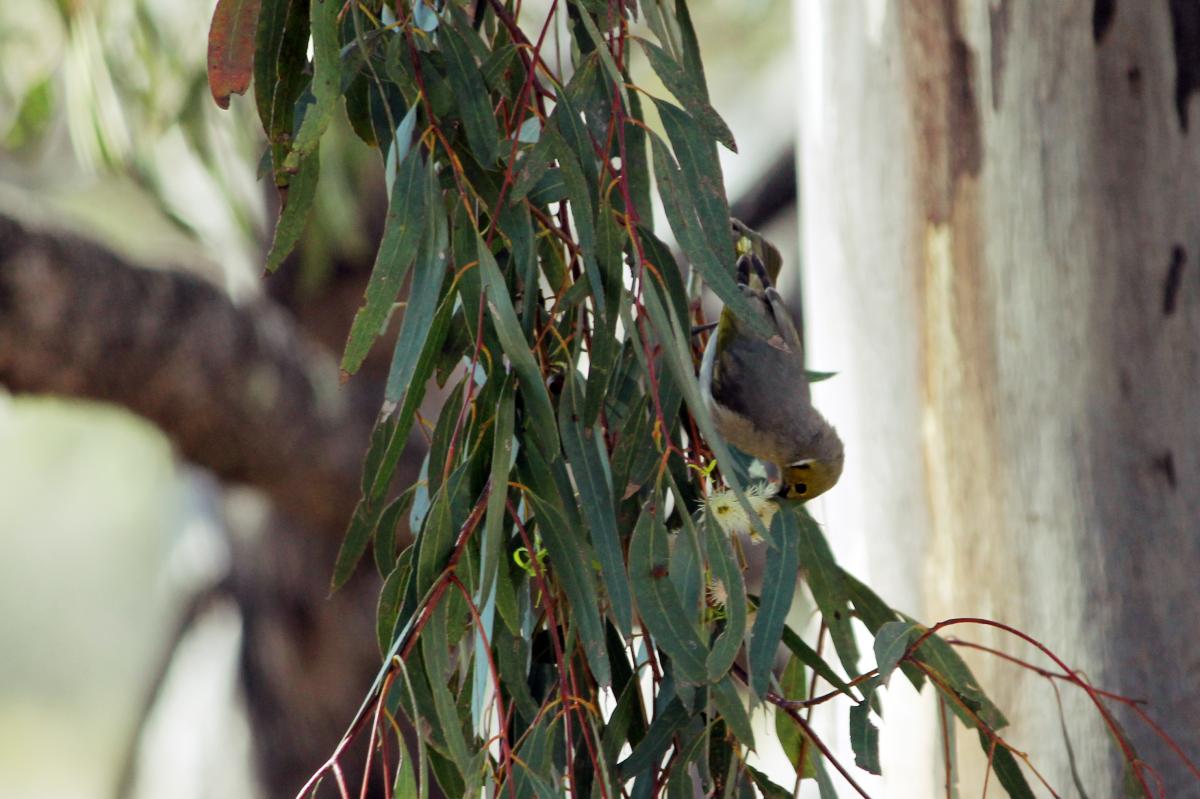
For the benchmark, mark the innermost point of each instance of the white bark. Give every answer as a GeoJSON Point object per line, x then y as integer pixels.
{"type": "Point", "coordinates": [1000, 204]}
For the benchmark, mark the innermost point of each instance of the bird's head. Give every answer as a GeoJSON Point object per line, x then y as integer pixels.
{"type": "Point", "coordinates": [816, 472]}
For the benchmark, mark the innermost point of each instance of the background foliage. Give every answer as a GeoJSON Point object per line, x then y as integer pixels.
{"type": "Point", "coordinates": [571, 614]}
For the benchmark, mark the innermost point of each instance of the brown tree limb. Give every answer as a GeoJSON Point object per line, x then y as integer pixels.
{"type": "Point", "coordinates": [238, 389]}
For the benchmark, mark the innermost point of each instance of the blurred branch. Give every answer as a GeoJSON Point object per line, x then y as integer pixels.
{"type": "Point", "coordinates": [239, 389]}
{"type": "Point", "coordinates": [775, 191]}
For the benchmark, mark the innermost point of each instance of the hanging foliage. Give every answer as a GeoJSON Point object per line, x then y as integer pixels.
{"type": "Point", "coordinates": [571, 617]}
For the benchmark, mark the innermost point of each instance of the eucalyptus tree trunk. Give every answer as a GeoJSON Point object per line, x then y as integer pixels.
{"type": "Point", "coordinates": [1000, 222]}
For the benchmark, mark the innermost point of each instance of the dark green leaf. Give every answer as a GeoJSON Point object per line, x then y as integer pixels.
{"type": "Point", "coordinates": [326, 83]}
{"type": "Point", "coordinates": [809, 657]}
{"type": "Point", "coordinates": [423, 296]}
{"type": "Point", "coordinates": [1005, 766]}
{"type": "Point", "coordinates": [297, 204]}
{"type": "Point", "coordinates": [891, 642]}
{"type": "Point", "coordinates": [471, 95]}
{"type": "Point", "coordinates": [659, 737]}
{"type": "Point", "coordinates": [280, 59]}
{"type": "Point", "coordinates": [610, 65]}
{"type": "Point", "coordinates": [681, 213]}
{"type": "Point", "coordinates": [402, 233]}
{"type": "Point", "coordinates": [768, 789]}
{"type": "Point", "coordinates": [588, 458]}
{"type": "Point", "coordinates": [503, 452]}
{"type": "Point", "coordinates": [508, 330]}
{"type": "Point", "coordinates": [779, 586]}
{"type": "Point", "coordinates": [825, 579]}
{"type": "Point", "coordinates": [941, 657]}
{"type": "Point", "coordinates": [792, 685]}
{"type": "Point", "coordinates": [684, 87]}
{"type": "Point", "coordinates": [390, 598]}
{"type": "Point", "coordinates": [571, 559]}
{"type": "Point", "coordinates": [658, 603]}
{"type": "Point", "coordinates": [701, 168]}
{"type": "Point", "coordinates": [729, 705]}
{"type": "Point", "coordinates": [864, 738]}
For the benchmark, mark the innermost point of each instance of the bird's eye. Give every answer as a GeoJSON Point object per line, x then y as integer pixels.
{"type": "Point", "coordinates": [800, 489]}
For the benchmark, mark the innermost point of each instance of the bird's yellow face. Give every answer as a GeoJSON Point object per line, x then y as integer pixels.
{"type": "Point", "coordinates": [809, 478]}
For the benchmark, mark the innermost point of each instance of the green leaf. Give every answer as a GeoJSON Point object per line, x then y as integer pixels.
{"type": "Point", "coordinates": [891, 642]}
{"type": "Point", "coordinates": [326, 83]}
{"type": "Point", "coordinates": [508, 330]}
{"type": "Point", "coordinates": [659, 737]}
{"type": "Point", "coordinates": [636, 164]}
{"type": "Point", "coordinates": [682, 85]}
{"type": "Point", "coordinates": [701, 168]}
{"type": "Point", "coordinates": [579, 195]}
{"type": "Point", "coordinates": [1006, 769]}
{"type": "Point", "coordinates": [429, 275]}
{"type": "Point", "coordinates": [405, 784]}
{"type": "Point", "coordinates": [768, 789]}
{"type": "Point", "coordinates": [571, 559]}
{"type": "Point", "coordinates": [825, 580]}
{"type": "Point", "coordinates": [725, 569]}
{"type": "Point", "coordinates": [779, 586]}
{"type": "Point", "coordinates": [471, 94]}
{"type": "Point", "coordinates": [588, 459]}
{"type": "Point", "coordinates": [280, 58]}
{"type": "Point", "coordinates": [503, 453]}
{"type": "Point", "coordinates": [402, 232]}
{"type": "Point", "coordinates": [864, 738]}
{"type": "Point", "coordinates": [437, 667]}
{"type": "Point", "coordinates": [610, 65]}
{"type": "Point", "coordinates": [792, 685]}
{"type": "Point", "coordinates": [390, 598]}
{"type": "Point", "coordinates": [942, 659]}
{"type": "Point", "coordinates": [681, 213]}
{"type": "Point", "coordinates": [658, 603]}
{"type": "Point", "coordinates": [809, 657]}
{"type": "Point", "coordinates": [729, 705]}
{"type": "Point", "coordinates": [298, 199]}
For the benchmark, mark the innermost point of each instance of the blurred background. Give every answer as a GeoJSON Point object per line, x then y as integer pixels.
{"type": "Point", "coordinates": [996, 249]}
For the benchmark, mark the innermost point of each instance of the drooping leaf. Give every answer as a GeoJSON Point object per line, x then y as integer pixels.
{"type": "Point", "coordinates": [891, 642]}
{"type": "Point", "coordinates": [685, 88]}
{"type": "Point", "coordinates": [588, 458]}
{"type": "Point", "coordinates": [293, 215]}
{"type": "Point", "coordinates": [864, 738]}
{"type": "Point", "coordinates": [656, 742]}
{"type": "Point", "coordinates": [1006, 769]}
{"type": "Point", "coordinates": [657, 602]}
{"type": "Point", "coordinates": [279, 60]}
{"type": "Point", "coordinates": [571, 560]}
{"type": "Point", "coordinates": [508, 330]}
{"type": "Point", "coordinates": [779, 586]}
{"type": "Point", "coordinates": [824, 578]}
{"type": "Point", "coordinates": [471, 95]}
{"type": "Point", "coordinates": [953, 671]}
{"type": "Point", "coordinates": [402, 234]}
{"type": "Point", "coordinates": [701, 168]}
{"type": "Point", "coordinates": [231, 45]}
{"type": "Point", "coordinates": [725, 571]}
{"type": "Point", "coordinates": [681, 213]}
{"type": "Point", "coordinates": [326, 82]}
{"type": "Point", "coordinates": [729, 705]}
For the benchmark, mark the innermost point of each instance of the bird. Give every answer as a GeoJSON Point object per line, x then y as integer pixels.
{"type": "Point", "coordinates": [757, 390]}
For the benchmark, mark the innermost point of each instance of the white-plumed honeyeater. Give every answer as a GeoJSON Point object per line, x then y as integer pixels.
{"type": "Point", "coordinates": [757, 389]}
